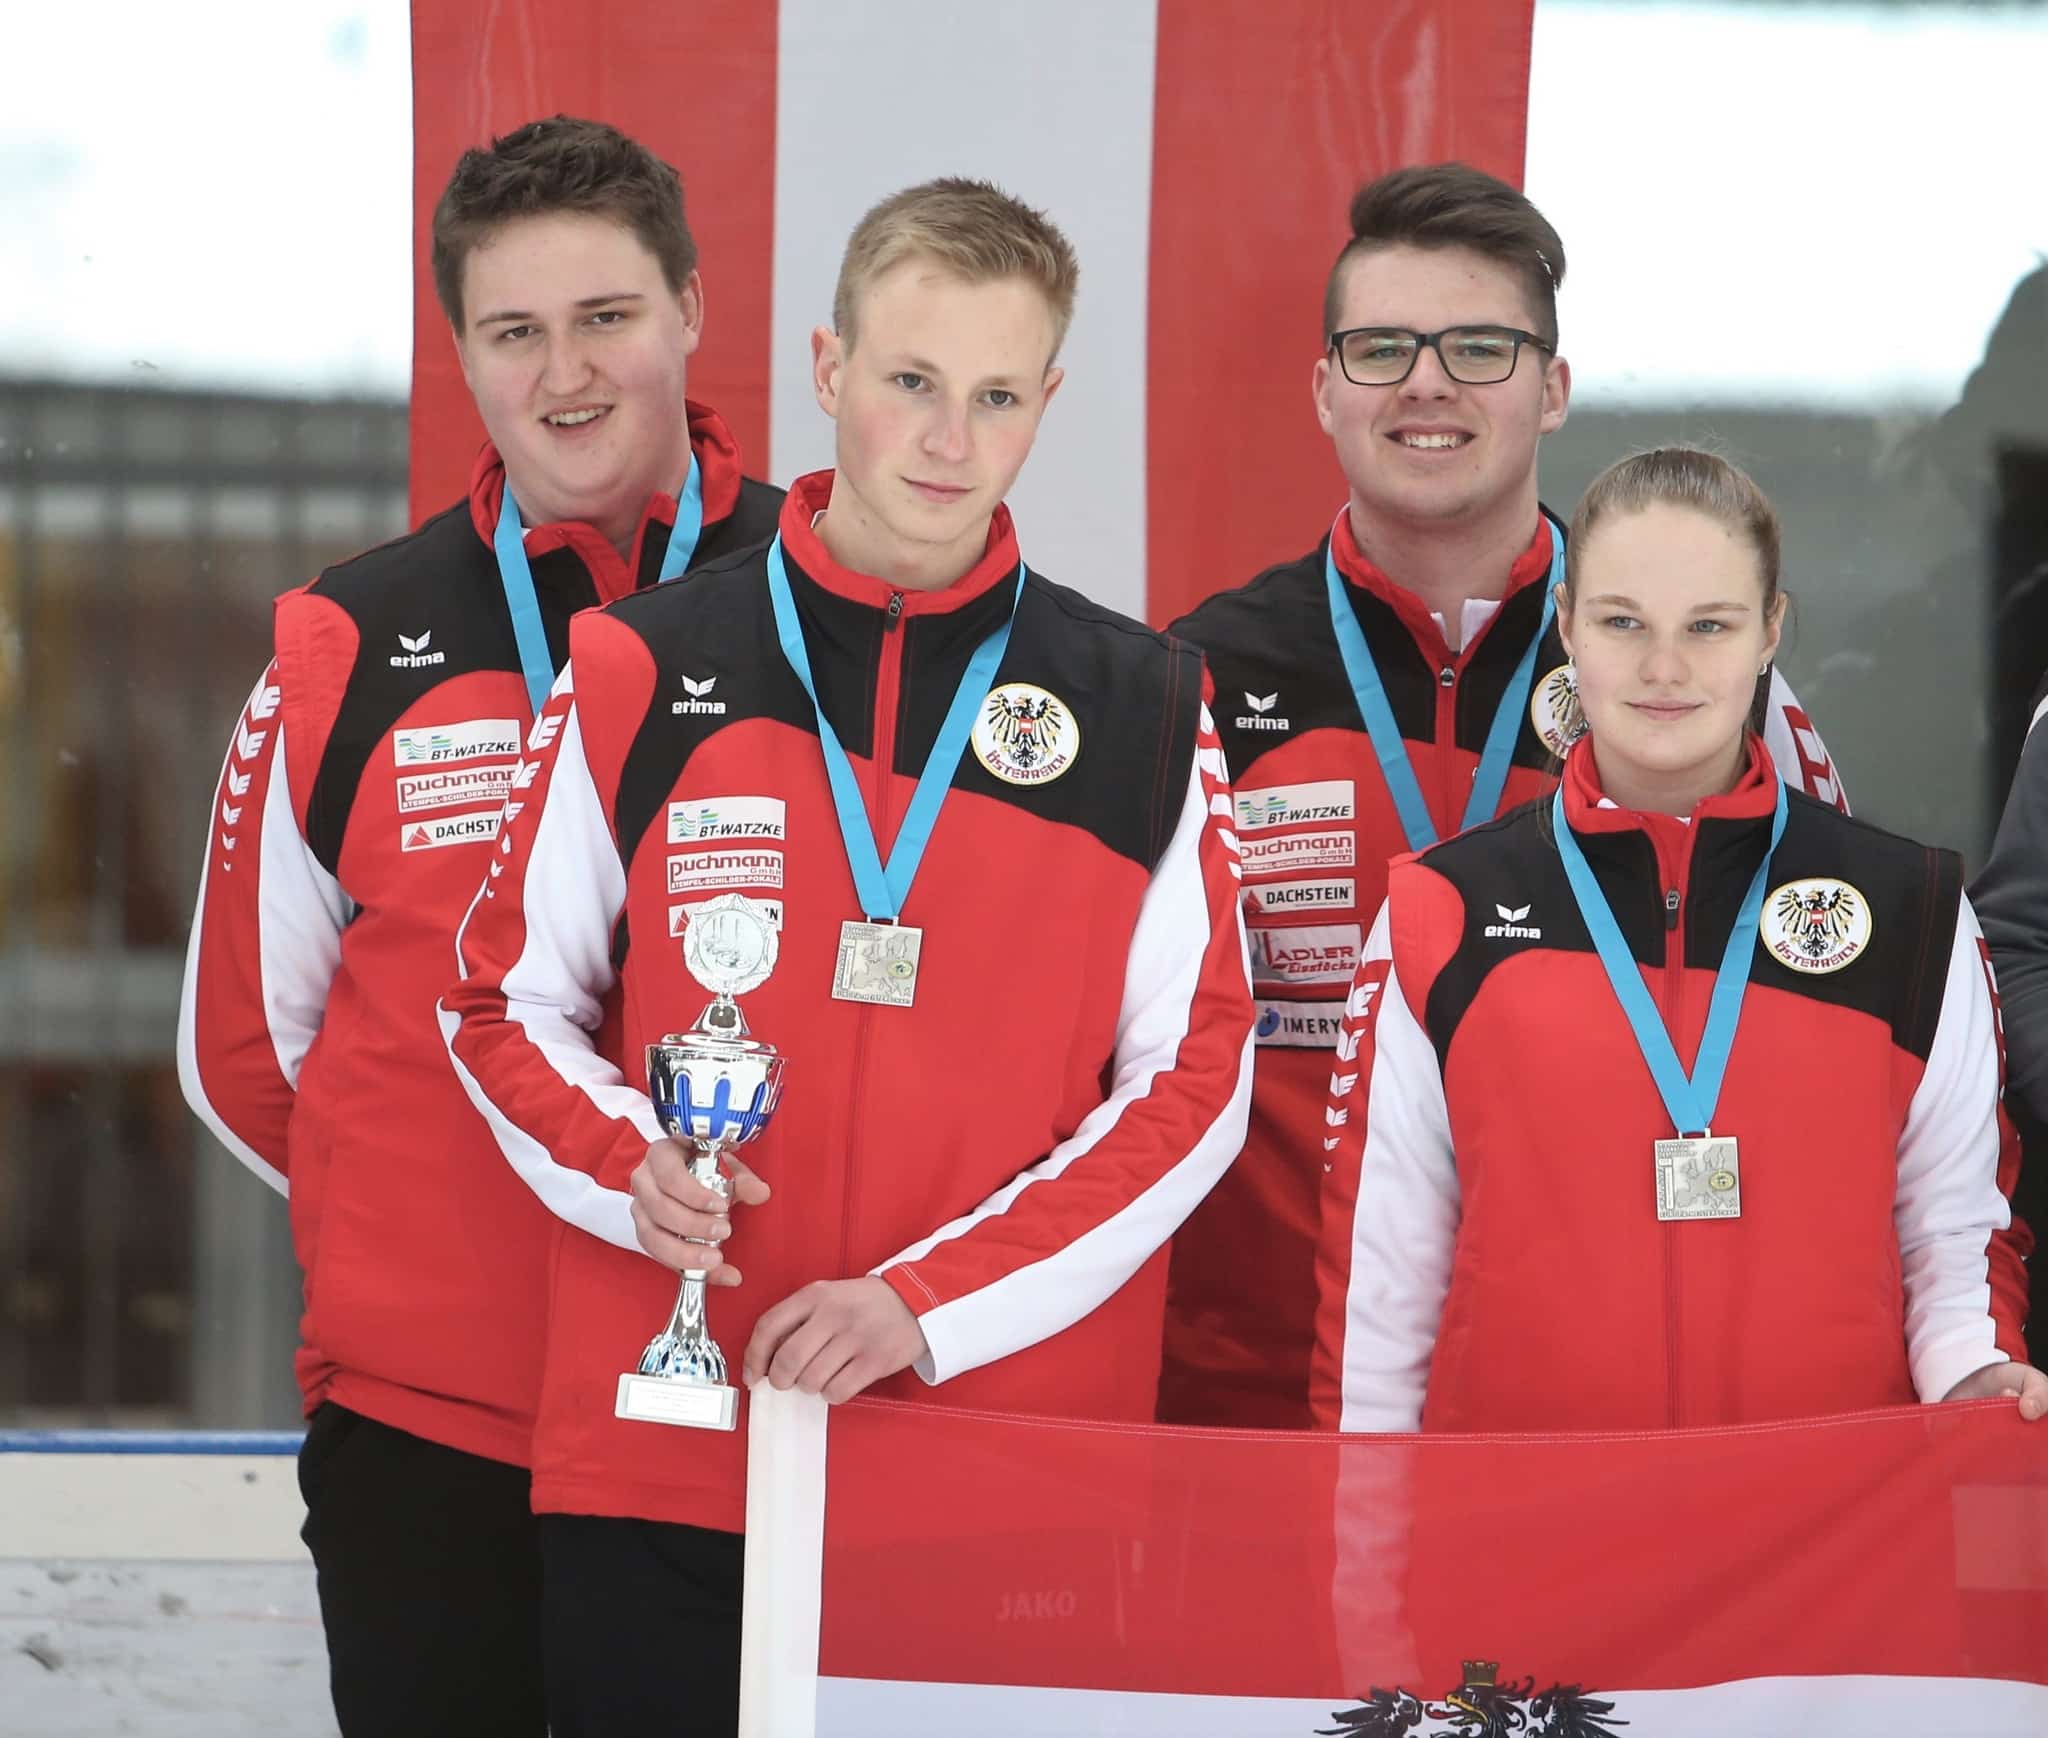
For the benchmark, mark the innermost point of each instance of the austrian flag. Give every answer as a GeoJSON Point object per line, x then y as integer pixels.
{"type": "Point", "coordinates": [914, 1572]}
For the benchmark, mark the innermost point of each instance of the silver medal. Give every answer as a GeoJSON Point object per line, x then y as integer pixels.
{"type": "Point", "coordinates": [1699, 1177]}
{"type": "Point", "coordinates": [877, 963]}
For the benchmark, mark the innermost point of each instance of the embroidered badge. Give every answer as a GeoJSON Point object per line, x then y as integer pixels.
{"type": "Point", "coordinates": [1554, 710]}
{"type": "Point", "coordinates": [1025, 735]}
{"type": "Point", "coordinates": [1815, 925]}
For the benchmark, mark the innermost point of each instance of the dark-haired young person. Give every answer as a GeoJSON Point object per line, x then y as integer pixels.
{"type": "Point", "coordinates": [353, 821]}
{"type": "Point", "coordinates": [1399, 682]}
{"type": "Point", "coordinates": [1674, 1099]}
{"type": "Point", "coordinates": [999, 1107]}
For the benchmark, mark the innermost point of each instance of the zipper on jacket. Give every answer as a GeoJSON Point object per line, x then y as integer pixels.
{"type": "Point", "coordinates": [1451, 813]}
{"type": "Point", "coordinates": [888, 702]}
{"type": "Point", "coordinates": [1673, 1000]}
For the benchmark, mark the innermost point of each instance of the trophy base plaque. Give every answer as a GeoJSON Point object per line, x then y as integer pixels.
{"type": "Point", "coordinates": [667, 1400]}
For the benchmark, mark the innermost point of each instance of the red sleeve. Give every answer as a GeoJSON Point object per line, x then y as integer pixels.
{"type": "Point", "coordinates": [1049, 1246]}
{"type": "Point", "coordinates": [266, 938]}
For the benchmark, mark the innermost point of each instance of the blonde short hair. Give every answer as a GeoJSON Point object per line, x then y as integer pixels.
{"type": "Point", "coordinates": [972, 229]}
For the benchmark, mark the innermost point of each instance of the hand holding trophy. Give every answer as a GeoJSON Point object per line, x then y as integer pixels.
{"type": "Point", "coordinates": [714, 1087]}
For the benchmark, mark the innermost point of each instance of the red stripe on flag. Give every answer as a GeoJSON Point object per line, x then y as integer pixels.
{"type": "Point", "coordinates": [694, 83]}
{"type": "Point", "coordinates": [1267, 115]}
{"type": "Point", "coordinates": [1297, 1565]}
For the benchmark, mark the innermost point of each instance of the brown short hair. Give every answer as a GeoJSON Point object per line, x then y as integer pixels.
{"type": "Point", "coordinates": [974, 230]}
{"type": "Point", "coordinates": [560, 164]}
{"type": "Point", "coordinates": [1454, 205]}
{"type": "Point", "coordinates": [1696, 479]}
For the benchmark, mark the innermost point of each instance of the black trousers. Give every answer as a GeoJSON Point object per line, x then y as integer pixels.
{"type": "Point", "coordinates": [643, 1628]}
{"type": "Point", "coordinates": [430, 1583]}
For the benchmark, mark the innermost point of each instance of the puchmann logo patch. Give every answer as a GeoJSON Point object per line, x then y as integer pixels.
{"type": "Point", "coordinates": [415, 655]}
{"type": "Point", "coordinates": [473, 739]}
{"type": "Point", "coordinates": [1259, 713]}
{"type": "Point", "coordinates": [724, 869]}
{"type": "Point", "coordinates": [456, 788]}
{"type": "Point", "coordinates": [1512, 926]}
{"type": "Point", "coordinates": [452, 830]}
{"type": "Point", "coordinates": [1329, 799]}
{"type": "Point", "coordinates": [1332, 848]}
{"type": "Point", "coordinates": [699, 697]}
{"type": "Point", "coordinates": [708, 818]}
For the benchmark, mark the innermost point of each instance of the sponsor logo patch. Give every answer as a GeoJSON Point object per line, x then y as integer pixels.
{"type": "Point", "coordinates": [700, 701]}
{"type": "Point", "coordinates": [724, 869]}
{"type": "Point", "coordinates": [1816, 925]}
{"type": "Point", "coordinates": [679, 915]}
{"type": "Point", "coordinates": [413, 654]}
{"type": "Point", "coordinates": [473, 739]}
{"type": "Point", "coordinates": [1514, 925]}
{"type": "Point", "coordinates": [454, 789]}
{"type": "Point", "coordinates": [1317, 954]}
{"type": "Point", "coordinates": [1258, 714]}
{"type": "Point", "coordinates": [1331, 848]}
{"type": "Point", "coordinates": [1297, 1025]}
{"type": "Point", "coordinates": [706, 818]}
{"type": "Point", "coordinates": [1335, 895]}
{"type": "Point", "coordinates": [1329, 799]}
{"type": "Point", "coordinates": [449, 830]}
{"type": "Point", "coordinates": [1026, 735]}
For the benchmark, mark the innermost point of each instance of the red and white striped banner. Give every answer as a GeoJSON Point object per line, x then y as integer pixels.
{"type": "Point", "coordinates": [1200, 153]}
{"type": "Point", "coordinates": [916, 1572]}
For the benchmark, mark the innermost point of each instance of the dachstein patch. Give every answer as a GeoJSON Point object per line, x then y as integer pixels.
{"type": "Point", "coordinates": [1817, 925]}
{"type": "Point", "coordinates": [1554, 710]}
{"type": "Point", "coordinates": [1026, 735]}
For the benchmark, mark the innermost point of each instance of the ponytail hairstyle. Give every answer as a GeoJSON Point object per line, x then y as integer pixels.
{"type": "Point", "coordinates": [1703, 482]}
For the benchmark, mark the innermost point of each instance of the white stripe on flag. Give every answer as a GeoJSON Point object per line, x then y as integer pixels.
{"type": "Point", "coordinates": [1052, 101]}
{"type": "Point", "coordinates": [1818, 1707]}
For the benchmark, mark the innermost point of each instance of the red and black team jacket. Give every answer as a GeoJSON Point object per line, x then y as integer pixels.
{"type": "Point", "coordinates": [1011, 1152]}
{"type": "Point", "coordinates": [352, 823]}
{"type": "Point", "coordinates": [1317, 827]}
{"type": "Point", "coordinates": [1491, 1253]}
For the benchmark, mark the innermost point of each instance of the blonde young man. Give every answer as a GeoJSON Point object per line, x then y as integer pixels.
{"type": "Point", "coordinates": [978, 1159]}
{"type": "Point", "coordinates": [355, 812]}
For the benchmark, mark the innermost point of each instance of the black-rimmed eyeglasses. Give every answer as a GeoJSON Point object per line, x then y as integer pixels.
{"type": "Point", "coordinates": [1470, 355]}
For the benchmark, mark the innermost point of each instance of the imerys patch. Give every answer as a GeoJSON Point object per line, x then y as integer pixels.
{"type": "Point", "coordinates": [1025, 735]}
{"type": "Point", "coordinates": [1554, 710]}
{"type": "Point", "coordinates": [1815, 925]}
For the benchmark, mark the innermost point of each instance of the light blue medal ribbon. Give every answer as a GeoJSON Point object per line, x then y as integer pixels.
{"type": "Point", "coordinates": [882, 892]}
{"type": "Point", "coordinates": [1491, 776]}
{"type": "Point", "coordinates": [515, 573]}
{"type": "Point", "coordinates": [1690, 1101]}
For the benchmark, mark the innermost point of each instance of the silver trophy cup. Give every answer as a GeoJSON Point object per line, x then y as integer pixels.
{"type": "Point", "coordinates": [714, 1087]}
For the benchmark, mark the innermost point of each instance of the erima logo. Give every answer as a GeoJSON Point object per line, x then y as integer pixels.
{"type": "Point", "coordinates": [1261, 715]}
{"type": "Point", "coordinates": [415, 656]}
{"type": "Point", "coordinates": [1512, 927]}
{"type": "Point", "coordinates": [697, 702]}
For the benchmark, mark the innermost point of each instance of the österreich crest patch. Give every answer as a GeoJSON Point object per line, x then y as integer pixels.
{"type": "Point", "coordinates": [1554, 710]}
{"type": "Point", "coordinates": [1816, 925]}
{"type": "Point", "coordinates": [1026, 735]}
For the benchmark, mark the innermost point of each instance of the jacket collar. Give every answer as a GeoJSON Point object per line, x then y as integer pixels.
{"type": "Point", "coordinates": [1531, 568]}
{"type": "Point", "coordinates": [717, 455]}
{"type": "Point", "coordinates": [808, 497]}
{"type": "Point", "coordinates": [1587, 809]}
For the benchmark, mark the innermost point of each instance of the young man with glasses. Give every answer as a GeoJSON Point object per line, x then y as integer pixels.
{"type": "Point", "coordinates": [354, 818]}
{"type": "Point", "coordinates": [1402, 681]}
